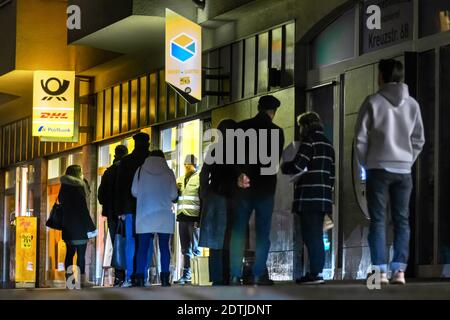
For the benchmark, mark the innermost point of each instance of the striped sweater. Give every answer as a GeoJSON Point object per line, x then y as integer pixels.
{"type": "Point", "coordinates": [313, 191]}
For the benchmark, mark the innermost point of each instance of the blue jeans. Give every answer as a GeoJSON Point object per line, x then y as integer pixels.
{"type": "Point", "coordinates": [263, 206]}
{"type": "Point", "coordinates": [145, 252]}
{"type": "Point", "coordinates": [189, 236]}
{"type": "Point", "coordinates": [381, 187]}
{"type": "Point", "coordinates": [130, 231]}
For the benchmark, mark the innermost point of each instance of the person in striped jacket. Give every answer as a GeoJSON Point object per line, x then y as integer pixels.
{"type": "Point", "coordinates": [313, 169]}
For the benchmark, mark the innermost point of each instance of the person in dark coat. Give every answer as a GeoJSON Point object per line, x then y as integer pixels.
{"type": "Point", "coordinates": [127, 203]}
{"type": "Point", "coordinates": [216, 189]}
{"type": "Point", "coordinates": [77, 223]}
{"type": "Point", "coordinates": [314, 165]}
{"type": "Point", "coordinates": [256, 192]}
{"type": "Point", "coordinates": [108, 199]}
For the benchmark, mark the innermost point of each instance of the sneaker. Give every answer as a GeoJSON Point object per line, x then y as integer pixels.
{"type": "Point", "coordinates": [183, 280]}
{"type": "Point", "coordinates": [384, 278]}
{"type": "Point", "coordinates": [263, 281]}
{"type": "Point", "coordinates": [398, 278]}
{"type": "Point", "coordinates": [235, 281]}
{"type": "Point", "coordinates": [310, 279]}
{"type": "Point", "coordinates": [127, 284]}
{"type": "Point", "coordinates": [148, 284]}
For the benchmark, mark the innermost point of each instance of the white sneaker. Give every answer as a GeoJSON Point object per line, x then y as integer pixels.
{"type": "Point", "coordinates": [384, 278]}
{"type": "Point", "coordinates": [398, 278]}
{"type": "Point", "coordinates": [148, 284]}
{"type": "Point", "coordinates": [127, 284]}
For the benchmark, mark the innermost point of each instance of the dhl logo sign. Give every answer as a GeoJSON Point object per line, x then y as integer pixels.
{"type": "Point", "coordinates": [53, 115]}
{"type": "Point", "coordinates": [54, 104]}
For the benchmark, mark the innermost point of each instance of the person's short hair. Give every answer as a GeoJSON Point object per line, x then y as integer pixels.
{"type": "Point", "coordinates": [310, 122]}
{"type": "Point", "coordinates": [268, 103]}
{"type": "Point", "coordinates": [120, 151]}
{"type": "Point", "coordinates": [190, 159]}
{"type": "Point", "coordinates": [141, 137]}
{"type": "Point", "coordinates": [391, 70]}
{"type": "Point", "coordinates": [157, 153]}
{"type": "Point", "coordinates": [74, 171]}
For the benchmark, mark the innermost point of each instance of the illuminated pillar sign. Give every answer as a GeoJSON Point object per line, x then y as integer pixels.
{"type": "Point", "coordinates": [184, 56]}
{"type": "Point", "coordinates": [53, 104]}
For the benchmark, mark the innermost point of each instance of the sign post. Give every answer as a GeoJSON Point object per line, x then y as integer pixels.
{"type": "Point", "coordinates": [184, 56]}
{"type": "Point", "coordinates": [54, 105]}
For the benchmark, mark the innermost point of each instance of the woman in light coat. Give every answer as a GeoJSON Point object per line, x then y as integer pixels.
{"type": "Point", "coordinates": [155, 189]}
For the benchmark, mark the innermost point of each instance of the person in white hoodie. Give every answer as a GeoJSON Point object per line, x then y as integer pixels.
{"type": "Point", "coordinates": [389, 137]}
{"type": "Point", "coordinates": [154, 186]}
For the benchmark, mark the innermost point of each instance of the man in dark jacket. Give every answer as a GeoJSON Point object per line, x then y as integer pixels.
{"type": "Point", "coordinates": [127, 168]}
{"type": "Point", "coordinates": [257, 183]}
{"type": "Point", "coordinates": [107, 197]}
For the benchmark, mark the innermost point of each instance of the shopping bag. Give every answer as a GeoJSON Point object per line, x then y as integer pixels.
{"type": "Point", "coordinates": [55, 220]}
{"type": "Point", "coordinates": [118, 257]}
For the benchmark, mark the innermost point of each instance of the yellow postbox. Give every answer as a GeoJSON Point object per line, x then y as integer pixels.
{"type": "Point", "coordinates": [26, 244]}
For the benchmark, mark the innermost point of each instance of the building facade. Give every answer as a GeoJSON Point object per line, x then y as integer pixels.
{"type": "Point", "coordinates": [322, 58]}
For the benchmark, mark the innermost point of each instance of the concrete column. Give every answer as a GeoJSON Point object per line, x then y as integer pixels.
{"type": "Point", "coordinates": [40, 211]}
{"type": "Point", "coordinates": [89, 167]}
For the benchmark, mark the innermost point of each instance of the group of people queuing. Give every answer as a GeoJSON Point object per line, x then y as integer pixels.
{"type": "Point", "coordinates": [214, 204]}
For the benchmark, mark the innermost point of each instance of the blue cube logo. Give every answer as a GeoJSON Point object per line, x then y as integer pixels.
{"type": "Point", "coordinates": [183, 47]}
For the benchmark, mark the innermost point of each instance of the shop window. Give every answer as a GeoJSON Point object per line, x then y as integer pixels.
{"type": "Point", "coordinates": [249, 68]}
{"type": "Point", "coordinates": [53, 168]}
{"type": "Point", "coordinates": [125, 106]}
{"type": "Point", "coordinates": [335, 43]}
{"type": "Point", "coordinates": [134, 104]}
{"type": "Point", "coordinates": [263, 62]}
{"type": "Point", "coordinates": [143, 101]}
{"type": "Point", "coordinates": [10, 178]}
{"type": "Point", "coordinates": [434, 17]}
{"type": "Point", "coordinates": [116, 110]}
{"type": "Point", "coordinates": [169, 147]}
{"type": "Point", "coordinates": [237, 69]}
{"type": "Point", "coordinates": [276, 48]}
{"type": "Point", "coordinates": [100, 120]}
{"type": "Point", "coordinates": [444, 158]}
{"type": "Point", "coordinates": [108, 113]}
{"type": "Point", "coordinates": [152, 96]}
{"type": "Point", "coordinates": [162, 94]}
{"type": "Point", "coordinates": [426, 99]}
{"type": "Point", "coordinates": [287, 76]}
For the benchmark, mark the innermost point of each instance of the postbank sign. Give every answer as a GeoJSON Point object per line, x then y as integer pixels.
{"type": "Point", "coordinates": [54, 104]}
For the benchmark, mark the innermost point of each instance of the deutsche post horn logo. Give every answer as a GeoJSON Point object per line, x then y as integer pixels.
{"type": "Point", "coordinates": [183, 47]}
{"type": "Point", "coordinates": [62, 87]}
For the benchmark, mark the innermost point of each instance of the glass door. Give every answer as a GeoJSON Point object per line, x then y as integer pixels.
{"type": "Point", "coordinates": [56, 248]}
{"type": "Point", "coordinates": [176, 143]}
{"type": "Point", "coordinates": [321, 100]}
{"type": "Point", "coordinates": [104, 242]}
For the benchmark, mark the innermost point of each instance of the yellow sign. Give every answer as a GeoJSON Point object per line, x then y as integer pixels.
{"type": "Point", "coordinates": [184, 56]}
{"type": "Point", "coordinates": [53, 104]}
{"type": "Point", "coordinates": [26, 234]}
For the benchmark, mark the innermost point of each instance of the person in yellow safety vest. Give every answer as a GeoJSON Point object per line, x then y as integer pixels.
{"type": "Point", "coordinates": [188, 215]}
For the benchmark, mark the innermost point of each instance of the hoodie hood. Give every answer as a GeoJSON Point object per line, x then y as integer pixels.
{"type": "Point", "coordinates": [71, 181]}
{"type": "Point", "coordinates": [395, 93]}
{"type": "Point", "coordinates": [155, 166]}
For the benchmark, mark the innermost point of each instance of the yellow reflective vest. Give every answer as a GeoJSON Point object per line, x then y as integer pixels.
{"type": "Point", "coordinates": [189, 200]}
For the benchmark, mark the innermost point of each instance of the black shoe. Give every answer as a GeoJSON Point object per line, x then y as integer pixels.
{"type": "Point", "coordinates": [165, 279]}
{"type": "Point", "coordinates": [235, 281]}
{"type": "Point", "coordinates": [263, 281]}
{"type": "Point", "coordinates": [140, 281]}
{"type": "Point", "coordinates": [310, 279]}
